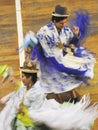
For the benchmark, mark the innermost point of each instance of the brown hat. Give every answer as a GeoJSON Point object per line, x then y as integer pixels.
{"type": "Point", "coordinates": [60, 11]}
{"type": "Point", "coordinates": [29, 67]}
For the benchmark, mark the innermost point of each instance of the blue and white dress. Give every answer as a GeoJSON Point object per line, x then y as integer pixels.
{"type": "Point", "coordinates": [61, 73]}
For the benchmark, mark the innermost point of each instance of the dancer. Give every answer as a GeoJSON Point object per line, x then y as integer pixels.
{"type": "Point", "coordinates": [63, 62]}
{"type": "Point", "coordinates": [28, 108]}
{"type": "Point", "coordinates": [15, 113]}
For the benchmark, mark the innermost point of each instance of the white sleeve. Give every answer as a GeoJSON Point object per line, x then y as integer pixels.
{"type": "Point", "coordinates": [7, 97]}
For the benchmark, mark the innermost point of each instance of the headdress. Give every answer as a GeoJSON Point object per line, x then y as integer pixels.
{"type": "Point", "coordinates": [60, 11]}
{"type": "Point", "coordinates": [29, 67]}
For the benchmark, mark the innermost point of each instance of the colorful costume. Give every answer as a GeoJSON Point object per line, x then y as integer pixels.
{"type": "Point", "coordinates": [32, 99]}
{"type": "Point", "coordinates": [39, 110]}
{"type": "Point", "coordinates": [61, 73]}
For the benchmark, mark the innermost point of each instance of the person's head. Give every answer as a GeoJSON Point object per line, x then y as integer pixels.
{"type": "Point", "coordinates": [59, 16]}
{"type": "Point", "coordinates": [28, 78]}
{"type": "Point", "coordinates": [29, 73]}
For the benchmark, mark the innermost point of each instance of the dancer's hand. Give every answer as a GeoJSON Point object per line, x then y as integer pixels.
{"type": "Point", "coordinates": [76, 30]}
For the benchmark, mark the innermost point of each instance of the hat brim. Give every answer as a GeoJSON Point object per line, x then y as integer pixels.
{"type": "Point", "coordinates": [28, 70]}
{"type": "Point", "coordinates": [60, 15]}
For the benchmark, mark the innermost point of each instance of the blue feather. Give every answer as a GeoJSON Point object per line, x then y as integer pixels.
{"type": "Point", "coordinates": [82, 20]}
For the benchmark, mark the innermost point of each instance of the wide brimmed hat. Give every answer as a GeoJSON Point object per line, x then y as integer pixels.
{"type": "Point", "coordinates": [29, 67]}
{"type": "Point", "coordinates": [60, 11]}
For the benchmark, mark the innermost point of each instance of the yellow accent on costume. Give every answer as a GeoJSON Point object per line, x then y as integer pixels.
{"type": "Point", "coordinates": [26, 120]}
